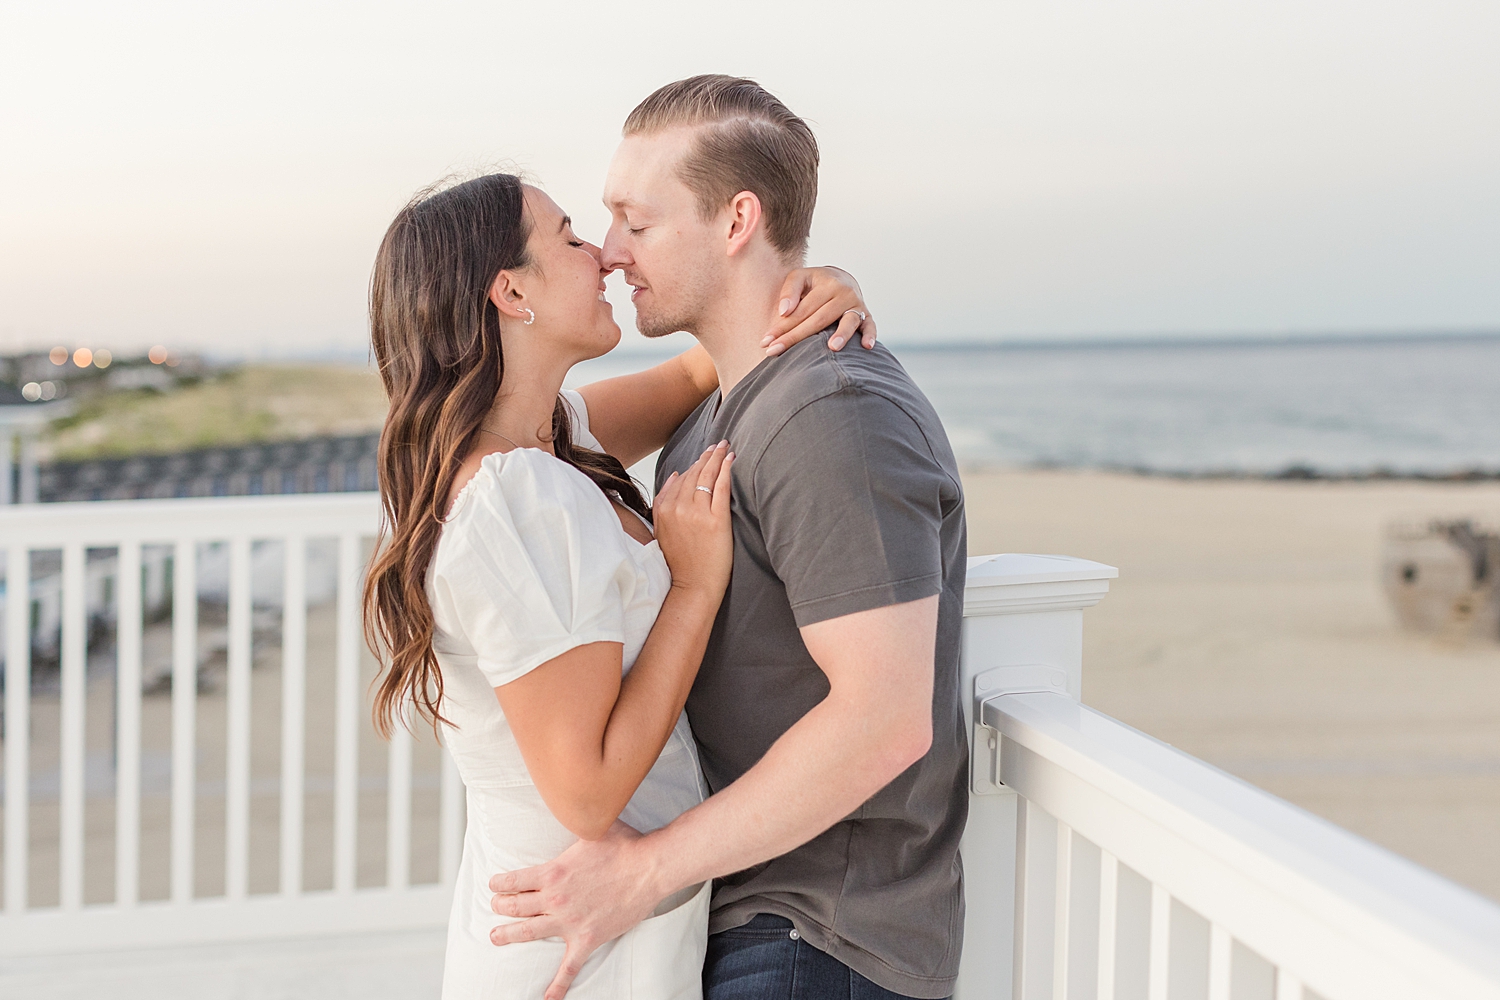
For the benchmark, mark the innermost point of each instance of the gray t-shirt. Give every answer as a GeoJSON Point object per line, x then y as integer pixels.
{"type": "Point", "coordinates": [846, 498]}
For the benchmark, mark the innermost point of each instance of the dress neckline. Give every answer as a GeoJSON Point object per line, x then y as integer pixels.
{"type": "Point", "coordinates": [463, 494]}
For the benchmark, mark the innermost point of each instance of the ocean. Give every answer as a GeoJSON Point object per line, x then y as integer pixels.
{"type": "Point", "coordinates": [1347, 407]}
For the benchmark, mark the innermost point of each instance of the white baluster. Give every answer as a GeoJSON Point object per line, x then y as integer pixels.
{"type": "Point", "coordinates": [1220, 957]}
{"type": "Point", "coordinates": [237, 737]}
{"type": "Point", "coordinates": [293, 710]}
{"type": "Point", "coordinates": [184, 713]}
{"type": "Point", "coordinates": [346, 716]}
{"type": "Point", "coordinates": [1161, 932]}
{"type": "Point", "coordinates": [128, 737]}
{"type": "Point", "coordinates": [17, 724]}
{"type": "Point", "coordinates": [1061, 909]}
{"type": "Point", "coordinates": [1109, 902]}
{"type": "Point", "coordinates": [398, 809]}
{"type": "Point", "coordinates": [74, 693]}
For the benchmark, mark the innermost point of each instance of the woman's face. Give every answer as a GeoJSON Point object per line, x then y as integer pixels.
{"type": "Point", "coordinates": [565, 285]}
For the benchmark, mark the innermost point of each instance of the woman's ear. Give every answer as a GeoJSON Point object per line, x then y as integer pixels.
{"type": "Point", "coordinates": [508, 298]}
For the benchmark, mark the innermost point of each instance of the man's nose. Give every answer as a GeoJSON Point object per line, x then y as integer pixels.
{"type": "Point", "coordinates": [612, 255]}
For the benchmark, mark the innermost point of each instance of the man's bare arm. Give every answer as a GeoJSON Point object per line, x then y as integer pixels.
{"type": "Point", "coordinates": [875, 723]}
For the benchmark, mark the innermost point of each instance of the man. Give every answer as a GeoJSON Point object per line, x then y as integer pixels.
{"type": "Point", "coordinates": [826, 709]}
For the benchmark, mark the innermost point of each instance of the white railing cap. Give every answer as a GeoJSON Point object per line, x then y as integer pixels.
{"type": "Point", "coordinates": [1016, 583]}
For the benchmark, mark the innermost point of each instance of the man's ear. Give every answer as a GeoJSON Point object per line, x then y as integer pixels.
{"type": "Point", "coordinates": [744, 221]}
{"type": "Point", "coordinates": [508, 298]}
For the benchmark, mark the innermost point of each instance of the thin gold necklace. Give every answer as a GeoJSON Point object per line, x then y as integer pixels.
{"type": "Point", "coordinates": [486, 430]}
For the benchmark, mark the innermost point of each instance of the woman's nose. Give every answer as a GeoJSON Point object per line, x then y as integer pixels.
{"type": "Point", "coordinates": [597, 253]}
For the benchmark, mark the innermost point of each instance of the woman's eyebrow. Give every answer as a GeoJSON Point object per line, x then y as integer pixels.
{"type": "Point", "coordinates": [566, 222]}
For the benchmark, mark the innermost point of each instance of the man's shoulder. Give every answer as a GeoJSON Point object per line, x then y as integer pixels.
{"type": "Point", "coordinates": [810, 372]}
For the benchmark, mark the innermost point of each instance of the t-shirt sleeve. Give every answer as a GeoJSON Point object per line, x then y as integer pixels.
{"type": "Point", "coordinates": [541, 568]}
{"type": "Point", "coordinates": [849, 498]}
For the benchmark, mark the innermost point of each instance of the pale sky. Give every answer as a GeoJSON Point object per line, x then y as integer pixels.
{"type": "Point", "coordinates": [218, 175]}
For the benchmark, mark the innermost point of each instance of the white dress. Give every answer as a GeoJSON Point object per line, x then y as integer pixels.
{"type": "Point", "coordinates": [533, 562]}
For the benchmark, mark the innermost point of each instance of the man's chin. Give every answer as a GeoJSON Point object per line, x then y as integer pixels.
{"type": "Point", "coordinates": [651, 327]}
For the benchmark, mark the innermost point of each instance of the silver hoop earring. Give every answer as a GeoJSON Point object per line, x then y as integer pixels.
{"type": "Point", "coordinates": [530, 314]}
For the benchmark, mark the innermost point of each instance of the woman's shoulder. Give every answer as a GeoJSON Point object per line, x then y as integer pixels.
{"type": "Point", "coordinates": [520, 483]}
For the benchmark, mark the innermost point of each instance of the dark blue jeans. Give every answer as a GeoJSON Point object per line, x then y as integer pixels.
{"type": "Point", "coordinates": [765, 960]}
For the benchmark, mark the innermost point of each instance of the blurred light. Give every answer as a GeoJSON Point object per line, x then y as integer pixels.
{"type": "Point", "coordinates": [31, 392]}
{"type": "Point", "coordinates": [58, 355]}
{"type": "Point", "coordinates": [157, 354]}
{"type": "Point", "coordinates": [47, 390]}
{"type": "Point", "coordinates": [83, 357]}
{"type": "Point", "coordinates": [172, 361]}
{"type": "Point", "coordinates": [102, 358]}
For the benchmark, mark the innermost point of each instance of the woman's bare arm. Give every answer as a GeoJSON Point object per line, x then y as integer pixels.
{"type": "Point", "coordinates": [588, 736]}
{"type": "Point", "coordinates": [633, 415]}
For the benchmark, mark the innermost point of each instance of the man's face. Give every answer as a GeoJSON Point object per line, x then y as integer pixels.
{"type": "Point", "coordinates": [671, 257]}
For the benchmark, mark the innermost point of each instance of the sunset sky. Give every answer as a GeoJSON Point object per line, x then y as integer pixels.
{"type": "Point", "coordinates": [217, 176]}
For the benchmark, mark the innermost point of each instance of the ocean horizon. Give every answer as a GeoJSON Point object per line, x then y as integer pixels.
{"type": "Point", "coordinates": [1331, 406]}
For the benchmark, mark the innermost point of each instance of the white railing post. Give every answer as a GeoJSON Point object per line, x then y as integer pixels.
{"type": "Point", "coordinates": [7, 466]}
{"type": "Point", "coordinates": [29, 485]}
{"type": "Point", "coordinates": [1023, 624]}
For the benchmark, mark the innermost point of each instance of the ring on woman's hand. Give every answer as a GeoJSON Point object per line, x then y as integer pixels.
{"type": "Point", "coordinates": [861, 315]}
{"type": "Point", "coordinates": [705, 489]}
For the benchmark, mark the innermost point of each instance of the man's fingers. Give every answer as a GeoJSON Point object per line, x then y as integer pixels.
{"type": "Point", "coordinates": [520, 880]}
{"type": "Point", "coordinates": [517, 904]}
{"type": "Point", "coordinates": [521, 931]}
{"type": "Point", "coordinates": [572, 965]}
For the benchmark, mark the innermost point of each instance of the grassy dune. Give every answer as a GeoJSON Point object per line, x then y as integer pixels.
{"type": "Point", "coordinates": [247, 405]}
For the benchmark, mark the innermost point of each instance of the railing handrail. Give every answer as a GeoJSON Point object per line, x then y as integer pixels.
{"type": "Point", "coordinates": [107, 522]}
{"type": "Point", "coordinates": [1399, 921]}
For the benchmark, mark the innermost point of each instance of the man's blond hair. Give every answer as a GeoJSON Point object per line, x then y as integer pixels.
{"type": "Point", "coordinates": [747, 141]}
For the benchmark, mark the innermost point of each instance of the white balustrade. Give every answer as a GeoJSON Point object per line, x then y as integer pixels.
{"type": "Point", "coordinates": [119, 540]}
{"type": "Point", "coordinates": [1099, 862]}
{"type": "Point", "coordinates": [1103, 863]}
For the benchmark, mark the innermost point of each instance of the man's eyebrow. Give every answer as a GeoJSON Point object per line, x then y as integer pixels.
{"type": "Point", "coordinates": [566, 222]}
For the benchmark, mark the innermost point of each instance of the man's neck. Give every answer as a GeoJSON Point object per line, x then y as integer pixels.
{"type": "Point", "coordinates": [732, 332]}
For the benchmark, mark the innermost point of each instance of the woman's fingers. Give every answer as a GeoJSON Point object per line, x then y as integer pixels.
{"type": "Point", "coordinates": [848, 324]}
{"type": "Point", "coordinates": [723, 486]}
{"type": "Point", "coordinates": [792, 289]}
{"type": "Point", "coordinates": [867, 333]}
{"type": "Point", "coordinates": [709, 473]}
{"type": "Point", "coordinates": [836, 310]}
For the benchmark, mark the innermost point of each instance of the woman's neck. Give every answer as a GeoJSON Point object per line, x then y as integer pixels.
{"type": "Point", "coordinates": [522, 411]}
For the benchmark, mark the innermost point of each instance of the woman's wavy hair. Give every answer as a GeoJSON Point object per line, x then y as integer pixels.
{"type": "Point", "coordinates": [436, 338]}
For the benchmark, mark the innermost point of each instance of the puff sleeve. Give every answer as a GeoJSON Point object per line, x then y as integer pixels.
{"type": "Point", "coordinates": [539, 567]}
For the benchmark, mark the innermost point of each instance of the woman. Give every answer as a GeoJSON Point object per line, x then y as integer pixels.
{"type": "Point", "coordinates": [521, 597]}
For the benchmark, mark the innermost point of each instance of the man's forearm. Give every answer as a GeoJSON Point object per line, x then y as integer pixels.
{"type": "Point", "coordinates": [821, 770]}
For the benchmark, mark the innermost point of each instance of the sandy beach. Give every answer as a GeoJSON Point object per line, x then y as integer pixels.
{"type": "Point", "coordinates": [1248, 628]}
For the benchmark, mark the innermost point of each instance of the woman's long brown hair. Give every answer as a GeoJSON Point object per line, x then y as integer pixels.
{"type": "Point", "coordinates": [436, 337]}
